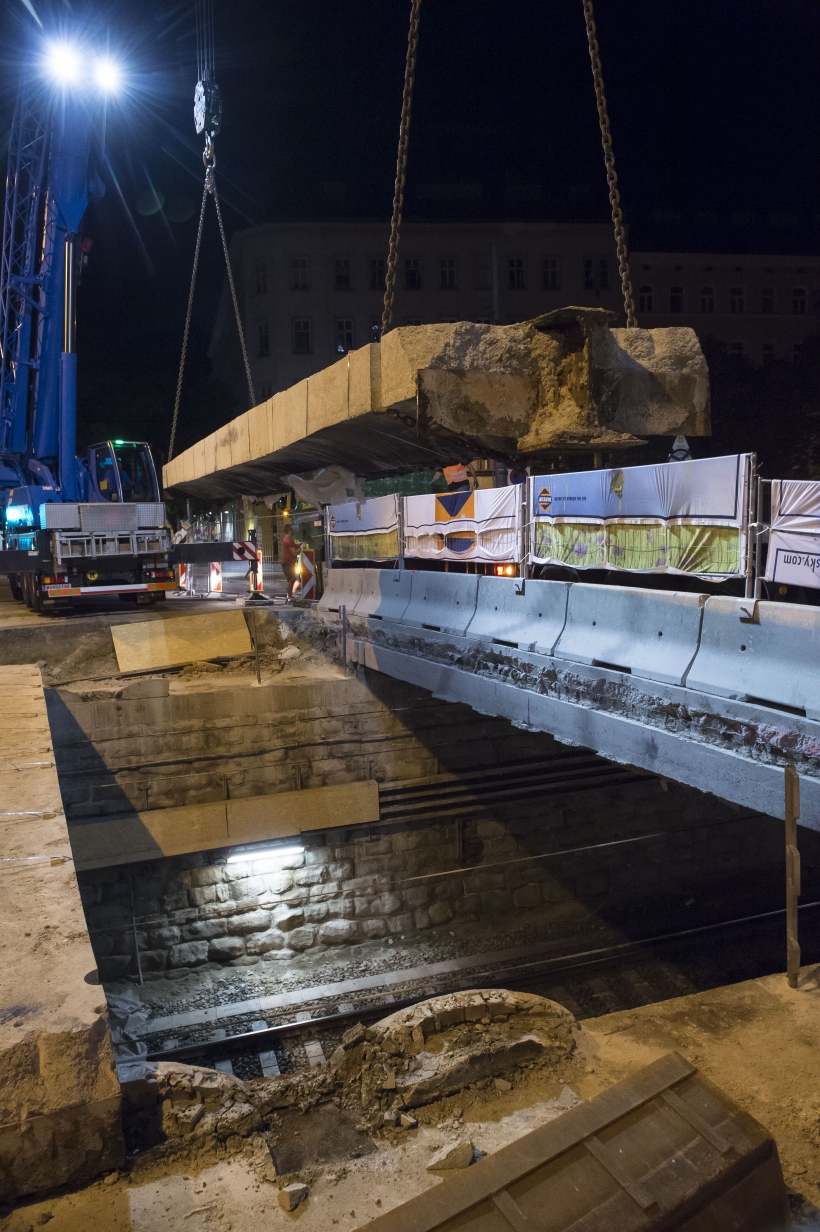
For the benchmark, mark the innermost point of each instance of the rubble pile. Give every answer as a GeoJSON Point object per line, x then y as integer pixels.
{"type": "Point", "coordinates": [445, 1045]}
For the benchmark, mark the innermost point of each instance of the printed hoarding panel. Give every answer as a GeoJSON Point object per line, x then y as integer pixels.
{"type": "Point", "coordinates": [793, 559]}
{"type": "Point", "coordinates": [481, 525]}
{"type": "Point", "coordinates": [364, 531]}
{"type": "Point", "coordinates": [796, 505]}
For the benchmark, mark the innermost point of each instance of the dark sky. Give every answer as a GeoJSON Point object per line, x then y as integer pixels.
{"type": "Point", "coordinates": [714, 113]}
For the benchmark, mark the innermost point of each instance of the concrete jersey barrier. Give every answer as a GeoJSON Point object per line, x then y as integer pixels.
{"type": "Point", "coordinates": [760, 652]}
{"type": "Point", "coordinates": [442, 601]}
{"type": "Point", "coordinates": [649, 633]}
{"type": "Point", "coordinates": [343, 588]}
{"type": "Point", "coordinates": [528, 614]}
{"type": "Point", "coordinates": [385, 594]}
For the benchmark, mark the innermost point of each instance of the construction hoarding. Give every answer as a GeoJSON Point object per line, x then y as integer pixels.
{"type": "Point", "coordinates": [674, 517]}
{"type": "Point", "coordinates": [366, 530]}
{"type": "Point", "coordinates": [479, 525]}
{"type": "Point", "coordinates": [794, 539]}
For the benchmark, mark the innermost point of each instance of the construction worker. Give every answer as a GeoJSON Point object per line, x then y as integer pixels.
{"type": "Point", "coordinates": [289, 558]}
{"type": "Point", "coordinates": [459, 478]}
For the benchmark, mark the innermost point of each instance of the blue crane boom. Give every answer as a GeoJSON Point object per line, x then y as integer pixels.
{"type": "Point", "coordinates": [71, 526]}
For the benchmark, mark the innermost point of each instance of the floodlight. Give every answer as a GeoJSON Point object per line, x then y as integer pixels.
{"type": "Point", "coordinates": [266, 854]}
{"type": "Point", "coordinates": [108, 75]}
{"type": "Point", "coordinates": [63, 63]}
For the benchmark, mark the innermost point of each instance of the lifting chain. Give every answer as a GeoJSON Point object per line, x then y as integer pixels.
{"type": "Point", "coordinates": [401, 165]}
{"type": "Point", "coordinates": [209, 159]}
{"type": "Point", "coordinates": [609, 158]}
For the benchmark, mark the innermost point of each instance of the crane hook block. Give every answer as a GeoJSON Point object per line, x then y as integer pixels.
{"type": "Point", "coordinates": [207, 107]}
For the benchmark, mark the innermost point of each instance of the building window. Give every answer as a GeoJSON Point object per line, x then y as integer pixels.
{"type": "Point", "coordinates": [263, 338]}
{"type": "Point", "coordinates": [412, 273]}
{"type": "Point", "coordinates": [483, 274]}
{"type": "Point", "coordinates": [645, 299]}
{"type": "Point", "coordinates": [515, 273]}
{"type": "Point", "coordinates": [377, 273]}
{"type": "Point", "coordinates": [376, 329]}
{"type": "Point", "coordinates": [265, 391]}
{"type": "Point", "coordinates": [550, 274]}
{"type": "Point", "coordinates": [707, 299]}
{"type": "Point", "coordinates": [737, 299]}
{"type": "Point", "coordinates": [676, 299]}
{"type": "Point", "coordinates": [799, 301]}
{"type": "Point", "coordinates": [768, 350]}
{"type": "Point", "coordinates": [596, 273]}
{"type": "Point", "coordinates": [448, 273]}
{"type": "Point", "coordinates": [413, 321]}
{"type": "Point", "coordinates": [344, 335]}
{"type": "Point", "coordinates": [342, 274]}
{"type": "Point", "coordinates": [302, 344]}
{"type": "Point", "coordinates": [737, 348]}
{"type": "Point", "coordinates": [299, 274]}
{"type": "Point", "coordinates": [768, 299]}
{"type": "Point", "coordinates": [260, 278]}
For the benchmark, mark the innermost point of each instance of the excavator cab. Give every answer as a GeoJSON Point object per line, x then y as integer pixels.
{"type": "Point", "coordinates": [123, 471]}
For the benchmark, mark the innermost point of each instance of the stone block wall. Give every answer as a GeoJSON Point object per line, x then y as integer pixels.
{"type": "Point", "coordinates": [197, 910]}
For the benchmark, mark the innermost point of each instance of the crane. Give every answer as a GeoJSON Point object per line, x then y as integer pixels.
{"type": "Point", "coordinates": [71, 527]}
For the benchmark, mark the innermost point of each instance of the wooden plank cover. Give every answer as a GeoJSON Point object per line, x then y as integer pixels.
{"type": "Point", "coordinates": [154, 644]}
{"type": "Point", "coordinates": [630, 1159]}
{"type": "Point", "coordinates": [202, 827]}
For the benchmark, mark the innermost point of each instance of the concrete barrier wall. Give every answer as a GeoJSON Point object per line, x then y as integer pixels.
{"type": "Point", "coordinates": [444, 601]}
{"type": "Point", "coordinates": [652, 634]}
{"type": "Point", "coordinates": [773, 658]}
{"type": "Point", "coordinates": [385, 594]}
{"type": "Point", "coordinates": [343, 587]}
{"type": "Point", "coordinates": [528, 614]}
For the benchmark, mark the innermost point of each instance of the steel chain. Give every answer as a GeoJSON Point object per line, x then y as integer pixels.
{"type": "Point", "coordinates": [401, 165]}
{"type": "Point", "coordinates": [233, 295]}
{"type": "Point", "coordinates": [187, 329]}
{"type": "Point", "coordinates": [209, 159]}
{"type": "Point", "coordinates": [611, 177]}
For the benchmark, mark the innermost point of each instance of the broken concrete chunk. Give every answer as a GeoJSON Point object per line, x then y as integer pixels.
{"type": "Point", "coordinates": [454, 1155]}
{"type": "Point", "coordinates": [501, 1084]}
{"type": "Point", "coordinates": [291, 1196]}
{"type": "Point", "coordinates": [408, 1122]}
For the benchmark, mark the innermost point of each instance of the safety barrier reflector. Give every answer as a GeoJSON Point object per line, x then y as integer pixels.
{"type": "Point", "coordinates": [643, 1154]}
{"type": "Point", "coordinates": [385, 594]}
{"type": "Point", "coordinates": [527, 614]}
{"type": "Point", "coordinates": [343, 588]}
{"type": "Point", "coordinates": [760, 652]}
{"type": "Point", "coordinates": [650, 633]}
{"type": "Point", "coordinates": [443, 601]}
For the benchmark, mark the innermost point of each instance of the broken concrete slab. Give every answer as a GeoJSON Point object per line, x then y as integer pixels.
{"type": "Point", "coordinates": [59, 1092]}
{"type": "Point", "coordinates": [427, 395]}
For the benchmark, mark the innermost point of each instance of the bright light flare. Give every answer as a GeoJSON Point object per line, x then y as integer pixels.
{"type": "Point", "coordinates": [271, 857]}
{"type": "Point", "coordinates": [63, 63]}
{"type": "Point", "coordinates": [108, 75]}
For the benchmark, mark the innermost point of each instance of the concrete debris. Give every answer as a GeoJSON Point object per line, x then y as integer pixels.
{"type": "Point", "coordinates": [292, 1196]}
{"type": "Point", "coordinates": [453, 1155]}
{"type": "Point", "coordinates": [501, 1084]}
{"type": "Point", "coordinates": [446, 1044]}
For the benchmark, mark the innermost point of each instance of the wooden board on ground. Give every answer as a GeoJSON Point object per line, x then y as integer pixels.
{"type": "Point", "coordinates": [224, 823]}
{"type": "Point", "coordinates": [663, 1149]}
{"type": "Point", "coordinates": [152, 644]}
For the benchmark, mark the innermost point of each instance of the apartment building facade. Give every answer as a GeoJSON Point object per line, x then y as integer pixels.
{"type": "Point", "coordinates": [310, 292]}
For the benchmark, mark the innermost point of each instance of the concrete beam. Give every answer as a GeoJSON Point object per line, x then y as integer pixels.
{"type": "Point", "coordinates": [59, 1093]}
{"type": "Point", "coordinates": [566, 381]}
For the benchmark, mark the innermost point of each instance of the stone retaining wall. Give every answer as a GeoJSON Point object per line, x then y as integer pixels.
{"type": "Point", "coordinates": [197, 910]}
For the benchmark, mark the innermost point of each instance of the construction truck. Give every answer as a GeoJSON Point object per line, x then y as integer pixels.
{"type": "Point", "coordinates": [71, 527]}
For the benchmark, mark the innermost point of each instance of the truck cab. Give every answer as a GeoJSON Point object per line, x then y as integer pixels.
{"type": "Point", "coordinates": [122, 471]}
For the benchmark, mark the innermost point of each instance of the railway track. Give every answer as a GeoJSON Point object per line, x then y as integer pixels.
{"type": "Point", "coordinates": [589, 984]}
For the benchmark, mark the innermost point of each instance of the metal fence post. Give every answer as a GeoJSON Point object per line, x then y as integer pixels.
{"type": "Point", "coordinates": [792, 786]}
{"type": "Point", "coordinates": [343, 615]}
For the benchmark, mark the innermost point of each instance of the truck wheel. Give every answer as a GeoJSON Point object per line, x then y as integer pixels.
{"type": "Point", "coordinates": [16, 589]}
{"type": "Point", "coordinates": [36, 593]}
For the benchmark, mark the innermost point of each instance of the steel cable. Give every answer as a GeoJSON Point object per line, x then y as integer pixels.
{"type": "Point", "coordinates": [401, 165]}
{"type": "Point", "coordinates": [187, 329]}
{"type": "Point", "coordinates": [609, 159]}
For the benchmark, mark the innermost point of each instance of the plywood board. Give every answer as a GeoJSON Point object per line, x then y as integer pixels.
{"type": "Point", "coordinates": [154, 644]}
{"type": "Point", "coordinates": [203, 827]}
{"type": "Point", "coordinates": [292, 812]}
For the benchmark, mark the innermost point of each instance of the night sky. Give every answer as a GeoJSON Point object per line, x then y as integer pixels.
{"type": "Point", "coordinates": [714, 112]}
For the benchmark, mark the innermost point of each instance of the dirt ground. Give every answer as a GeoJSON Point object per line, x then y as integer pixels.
{"type": "Point", "coordinates": [759, 1041]}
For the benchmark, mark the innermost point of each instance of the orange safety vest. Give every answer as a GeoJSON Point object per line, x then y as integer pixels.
{"type": "Point", "coordinates": [455, 474]}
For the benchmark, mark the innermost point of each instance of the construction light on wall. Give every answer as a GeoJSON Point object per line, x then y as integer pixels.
{"type": "Point", "coordinates": [505, 571]}
{"type": "Point", "coordinates": [272, 855]}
